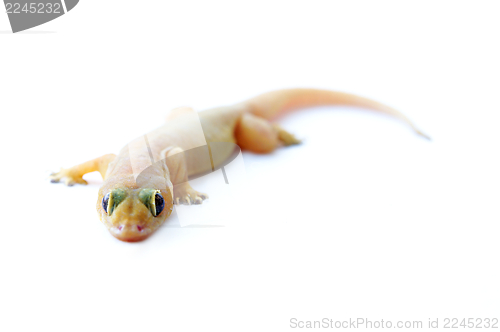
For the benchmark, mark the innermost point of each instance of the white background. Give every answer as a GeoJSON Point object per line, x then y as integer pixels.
{"type": "Point", "coordinates": [365, 219]}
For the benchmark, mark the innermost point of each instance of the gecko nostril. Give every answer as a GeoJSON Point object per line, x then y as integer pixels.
{"type": "Point", "coordinates": [139, 228]}
{"type": "Point", "coordinates": [120, 227]}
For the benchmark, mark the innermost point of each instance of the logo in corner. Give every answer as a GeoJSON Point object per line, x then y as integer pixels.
{"type": "Point", "coordinates": [26, 14]}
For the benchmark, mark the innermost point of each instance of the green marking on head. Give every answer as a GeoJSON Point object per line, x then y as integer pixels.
{"type": "Point", "coordinates": [148, 197]}
{"type": "Point", "coordinates": [115, 198]}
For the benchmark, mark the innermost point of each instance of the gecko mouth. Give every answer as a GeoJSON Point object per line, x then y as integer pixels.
{"type": "Point", "coordinates": [130, 233]}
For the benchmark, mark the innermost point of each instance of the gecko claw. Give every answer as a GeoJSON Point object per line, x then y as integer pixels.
{"type": "Point", "coordinates": [69, 178]}
{"type": "Point", "coordinates": [186, 195]}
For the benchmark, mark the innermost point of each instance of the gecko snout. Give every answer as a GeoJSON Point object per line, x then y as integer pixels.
{"type": "Point", "coordinates": [130, 232]}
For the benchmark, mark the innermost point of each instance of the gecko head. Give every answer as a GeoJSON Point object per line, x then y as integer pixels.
{"type": "Point", "coordinates": [132, 214]}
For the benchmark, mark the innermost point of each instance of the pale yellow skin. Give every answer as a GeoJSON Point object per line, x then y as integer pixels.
{"type": "Point", "coordinates": [246, 124]}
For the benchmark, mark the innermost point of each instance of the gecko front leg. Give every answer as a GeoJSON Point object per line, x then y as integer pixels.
{"type": "Point", "coordinates": [183, 192]}
{"type": "Point", "coordinates": [75, 174]}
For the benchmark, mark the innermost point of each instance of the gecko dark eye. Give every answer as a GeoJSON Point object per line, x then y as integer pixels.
{"type": "Point", "coordinates": [111, 200]}
{"type": "Point", "coordinates": [159, 203]}
{"type": "Point", "coordinates": [105, 201]}
{"type": "Point", "coordinates": [153, 200]}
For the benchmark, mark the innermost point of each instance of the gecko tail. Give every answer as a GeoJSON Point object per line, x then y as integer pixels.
{"type": "Point", "coordinates": [274, 104]}
{"type": "Point", "coordinates": [422, 134]}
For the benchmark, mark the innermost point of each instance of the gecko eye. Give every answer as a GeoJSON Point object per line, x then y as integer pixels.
{"type": "Point", "coordinates": [111, 200]}
{"type": "Point", "coordinates": [153, 200]}
{"type": "Point", "coordinates": [105, 201]}
{"type": "Point", "coordinates": [159, 203]}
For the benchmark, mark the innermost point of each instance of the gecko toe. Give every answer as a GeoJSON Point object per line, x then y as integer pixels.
{"type": "Point", "coordinates": [68, 178]}
{"type": "Point", "coordinates": [188, 196]}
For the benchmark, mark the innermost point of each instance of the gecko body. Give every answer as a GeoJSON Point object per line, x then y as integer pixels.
{"type": "Point", "coordinates": [150, 174]}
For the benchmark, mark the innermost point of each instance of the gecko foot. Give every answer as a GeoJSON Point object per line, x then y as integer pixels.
{"type": "Point", "coordinates": [184, 194]}
{"type": "Point", "coordinates": [285, 137]}
{"type": "Point", "coordinates": [69, 177]}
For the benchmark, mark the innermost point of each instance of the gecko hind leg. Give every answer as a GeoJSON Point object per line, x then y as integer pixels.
{"type": "Point", "coordinates": [74, 175]}
{"type": "Point", "coordinates": [285, 137]}
{"type": "Point", "coordinates": [259, 135]}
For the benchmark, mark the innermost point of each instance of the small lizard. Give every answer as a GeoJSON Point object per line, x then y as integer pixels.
{"type": "Point", "coordinates": [150, 174]}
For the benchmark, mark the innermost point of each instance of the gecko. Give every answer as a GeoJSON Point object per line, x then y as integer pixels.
{"type": "Point", "coordinates": [149, 175]}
